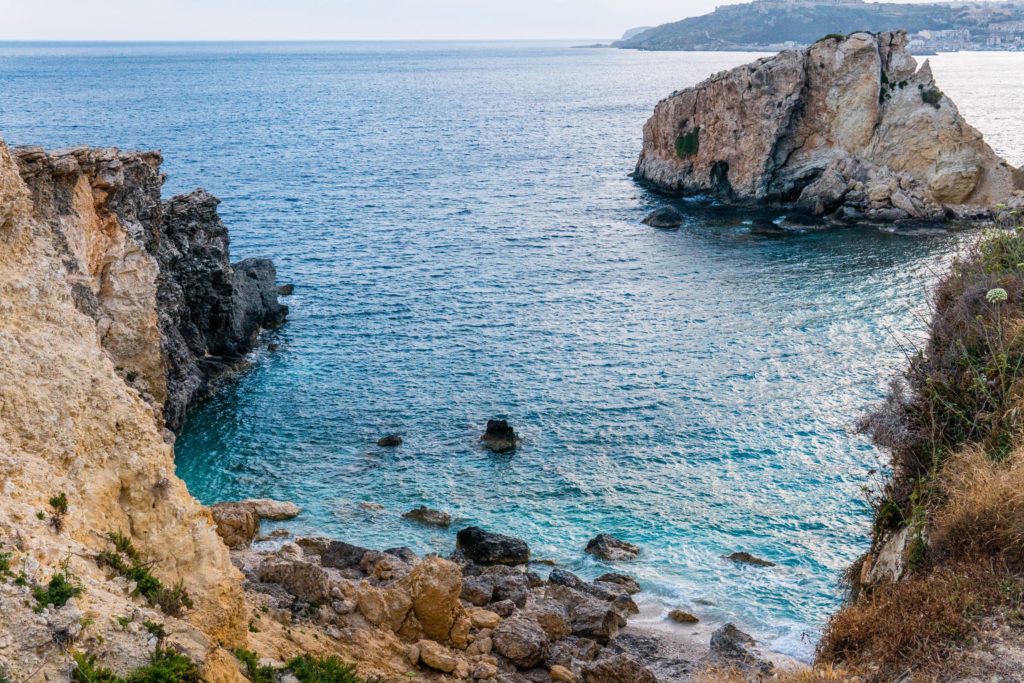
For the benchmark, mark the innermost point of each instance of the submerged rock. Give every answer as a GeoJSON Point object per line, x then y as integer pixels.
{"type": "Point", "coordinates": [389, 441]}
{"type": "Point", "coordinates": [286, 289]}
{"type": "Point", "coordinates": [607, 547]}
{"type": "Point", "coordinates": [665, 217]}
{"type": "Point", "coordinates": [426, 515]}
{"type": "Point", "coordinates": [486, 547]}
{"type": "Point", "coordinates": [744, 557]}
{"type": "Point", "coordinates": [499, 436]}
{"type": "Point", "coordinates": [850, 122]}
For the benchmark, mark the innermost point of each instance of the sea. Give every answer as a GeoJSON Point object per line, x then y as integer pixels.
{"type": "Point", "coordinates": [465, 241]}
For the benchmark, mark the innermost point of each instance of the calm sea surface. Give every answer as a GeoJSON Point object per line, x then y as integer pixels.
{"type": "Point", "coordinates": [466, 243]}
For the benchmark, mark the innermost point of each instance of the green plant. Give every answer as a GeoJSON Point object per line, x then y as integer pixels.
{"type": "Point", "coordinates": [126, 561]}
{"type": "Point", "coordinates": [21, 579]}
{"type": "Point", "coordinates": [5, 563]}
{"type": "Point", "coordinates": [131, 376]}
{"type": "Point", "coordinates": [931, 95]}
{"type": "Point", "coordinates": [331, 669]}
{"type": "Point", "coordinates": [62, 587]}
{"type": "Point", "coordinates": [88, 671]}
{"type": "Point", "coordinates": [59, 503]}
{"type": "Point", "coordinates": [155, 629]}
{"type": "Point", "coordinates": [254, 671]}
{"type": "Point", "coordinates": [688, 143]}
{"type": "Point", "coordinates": [833, 36]}
{"type": "Point", "coordinates": [123, 622]}
{"type": "Point", "coordinates": [40, 515]}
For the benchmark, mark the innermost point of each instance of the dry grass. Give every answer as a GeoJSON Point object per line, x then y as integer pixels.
{"type": "Point", "coordinates": [982, 511]}
{"type": "Point", "coordinates": [919, 623]}
{"type": "Point", "coordinates": [820, 674]}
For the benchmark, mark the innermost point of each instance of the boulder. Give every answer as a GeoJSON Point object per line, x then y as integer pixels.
{"type": "Point", "coordinates": [434, 586]}
{"type": "Point", "coordinates": [341, 555]}
{"type": "Point", "coordinates": [286, 289]}
{"type": "Point", "coordinates": [609, 592]}
{"type": "Point", "coordinates": [552, 616]}
{"type": "Point", "coordinates": [499, 436]}
{"type": "Point", "coordinates": [588, 616]}
{"type": "Point", "coordinates": [486, 547]}
{"type": "Point", "coordinates": [522, 641]}
{"type": "Point", "coordinates": [682, 617]}
{"type": "Point", "coordinates": [743, 557]}
{"type": "Point", "coordinates": [271, 509]}
{"type": "Point", "coordinates": [305, 580]}
{"type": "Point", "coordinates": [437, 656]}
{"type": "Point", "coordinates": [509, 584]}
{"type": "Point", "coordinates": [619, 668]}
{"type": "Point", "coordinates": [385, 607]}
{"type": "Point", "coordinates": [429, 516]}
{"type": "Point", "coordinates": [237, 524]}
{"type": "Point", "coordinates": [482, 618]}
{"type": "Point", "coordinates": [572, 649]}
{"type": "Point", "coordinates": [628, 583]}
{"type": "Point", "coordinates": [607, 547]}
{"type": "Point", "coordinates": [732, 648]}
{"type": "Point", "coordinates": [389, 441]}
{"type": "Point", "coordinates": [477, 590]}
{"type": "Point", "coordinates": [560, 674]}
{"type": "Point", "coordinates": [665, 217]}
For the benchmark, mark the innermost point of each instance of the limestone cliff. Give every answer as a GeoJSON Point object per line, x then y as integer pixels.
{"type": "Point", "coordinates": [72, 311]}
{"type": "Point", "coordinates": [849, 127]}
{"type": "Point", "coordinates": [155, 276]}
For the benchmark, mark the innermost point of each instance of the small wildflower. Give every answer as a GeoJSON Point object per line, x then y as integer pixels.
{"type": "Point", "coordinates": [997, 295]}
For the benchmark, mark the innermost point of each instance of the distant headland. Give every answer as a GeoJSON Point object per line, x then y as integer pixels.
{"type": "Point", "coordinates": [771, 25]}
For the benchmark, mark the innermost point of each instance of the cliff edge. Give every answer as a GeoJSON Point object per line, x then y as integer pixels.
{"type": "Point", "coordinates": [849, 127]}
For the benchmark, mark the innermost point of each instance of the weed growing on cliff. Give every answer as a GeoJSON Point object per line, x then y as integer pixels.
{"type": "Point", "coordinates": [165, 666]}
{"type": "Point", "coordinates": [155, 629]}
{"type": "Point", "coordinates": [931, 95]}
{"type": "Point", "coordinates": [62, 587]}
{"type": "Point", "coordinates": [254, 671]}
{"type": "Point", "coordinates": [330, 669]}
{"type": "Point", "coordinates": [126, 560]}
{"type": "Point", "coordinates": [59, 504]}
{"type": "Point", "coordinates": [688, 143]}
{"type": "Point", "coordinates": [5, 563]}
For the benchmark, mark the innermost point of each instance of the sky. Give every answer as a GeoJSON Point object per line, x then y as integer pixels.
{"type": "Point", "coordinates": [336, 19]}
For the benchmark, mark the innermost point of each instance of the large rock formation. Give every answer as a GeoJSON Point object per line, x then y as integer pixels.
{"type": "Point", "coordinates": [171, 310]}
{"type": "Point", "coordinates": [848, 127]}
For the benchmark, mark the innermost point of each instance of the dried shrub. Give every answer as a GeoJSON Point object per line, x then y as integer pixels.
{"type": "Point", "coordinates": [918, 623]}
{"type": "Point", "coordinates": [982, 512]}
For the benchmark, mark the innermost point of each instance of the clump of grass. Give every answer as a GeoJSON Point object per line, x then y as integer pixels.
{"type": "Point", "coordinates": [126, 561]}
{"type": "Point", "coordinates": [165, 666]}
{"type": "Point", "coordinates": [329, 669]}
{"type": "Point", "coordinates": [5, 563]}
{"type": "Point", "coordinates": [61, 588]}
{"type": "Point", "coordinates": [155, 629]}
{"type": "Point", "coordinates": [254, 671]}
{"type": "Point", "coordinates": [819, 674]}
{"type": "Point", "coordinates": [688, 144]}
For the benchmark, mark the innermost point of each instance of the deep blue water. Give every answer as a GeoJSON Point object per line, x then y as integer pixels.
{"type": "Point", "coordinates": [466, 243]}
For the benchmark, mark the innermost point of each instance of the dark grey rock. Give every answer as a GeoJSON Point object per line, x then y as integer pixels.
{"type": "Point", "coordinates": [618, 668]}
{"type": "Point", "coordinates": [509, 584]}
{"type": "Point", "coordinates": [628, 583]}
{"type": "Point", "coordinates": [485, 547]}
{"type": "Point", "coordinates": [607, 547]}
{"type": "Point", "coordinates": [286, 290]}
{"type": "Point", "coordinates": [389, 441]}
{"type": "Point", "coordinates": [499, 436]}
{"type": "Point", "coordinates": [665, 217]}
{"type": "Point", "coordinates": [477, 590]}
{"type": "Point", "coordinates": [743, 557]}
{"type": "Point", "coordinates": [731, 647]}
{"type": "Point", "coordinates": [520, 640]}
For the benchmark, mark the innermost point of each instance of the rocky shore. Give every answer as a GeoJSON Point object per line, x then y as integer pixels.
{"type": "Point", "coordinates": [482, 614]}
{"type": "Point", "coordinates": [849, 128]}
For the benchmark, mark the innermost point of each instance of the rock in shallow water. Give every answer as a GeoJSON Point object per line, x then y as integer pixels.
{"type": "Point", "coordinates": [426, 515]}
{"type": "Point", "coordinates": [389, 441]}
{"type": "Point", "coordinates": [665, 217]}
{"type": "Point", "coordinates": [744, 557]}
{"type": "Point", "coordinates": [499, 436]}
{"type": "Point", "coordinates": [607, 547]}
{"type": "Point", "coordinates": [486, 547]}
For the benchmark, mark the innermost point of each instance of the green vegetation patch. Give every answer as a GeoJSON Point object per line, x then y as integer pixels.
{"type": "Point", "coordinates": [307, 669]}
{"type": "Point", "coordinates": [688, 144]}
{"type": "Point", "coordinates": [126, 561]}
{"type": "Point", "coordinates": [931, 95]}
{"type": "Point", "coordinates": [62, 587]}
{"type": "Point", "coordinates": [165, 666]}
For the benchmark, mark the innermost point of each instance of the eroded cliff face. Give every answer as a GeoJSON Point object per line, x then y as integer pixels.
{"type": "Point", "coordinates": [155, 276]}
{"type": "Point", "coordinates": [849, 126]}
{"type": "Point", "coordinates": [70, 424]}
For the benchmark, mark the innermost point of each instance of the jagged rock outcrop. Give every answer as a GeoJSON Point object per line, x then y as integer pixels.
{"type": "Point", "coordinates": [848, 127]}
{"type": "Point", "coordinates": [155, 276]}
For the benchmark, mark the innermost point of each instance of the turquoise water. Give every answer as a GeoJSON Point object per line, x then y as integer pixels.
{"type": "Point", "coordinates": [466, 244]}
